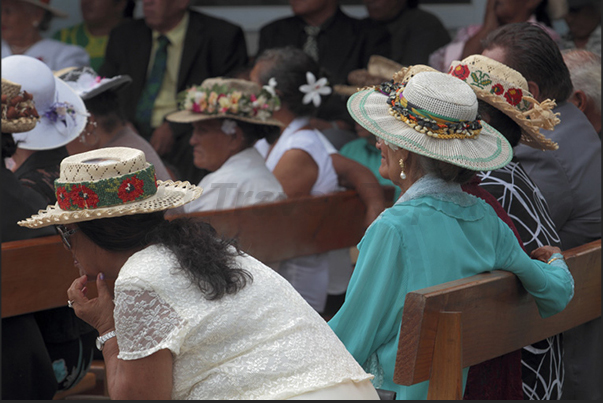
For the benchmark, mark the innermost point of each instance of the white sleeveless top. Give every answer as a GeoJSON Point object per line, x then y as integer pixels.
{"type": "Point", "coordinates": [310, 142]}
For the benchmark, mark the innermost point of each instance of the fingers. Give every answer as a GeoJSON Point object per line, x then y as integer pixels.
{"type": "Point", "coordinates": [77, 290]}
{"type": "Point", "coordinates": [101, 286]}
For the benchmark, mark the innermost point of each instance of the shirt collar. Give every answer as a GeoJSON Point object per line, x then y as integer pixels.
{"type": "Point", "coordinates": [175, 35]}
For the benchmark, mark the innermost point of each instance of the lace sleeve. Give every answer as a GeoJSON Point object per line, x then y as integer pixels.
{"type": "Point", "coordinates": [145, 323]}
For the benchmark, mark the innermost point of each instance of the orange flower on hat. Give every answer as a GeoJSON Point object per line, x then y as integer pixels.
{"type": "Point", "coordinates": [83, 197]}
{"type": "Point", "coordinates": [461, 71]}
{"type": "Point", "coordinates": [130, 189]}
{"type": "Point", "coordinates": [514, 96]}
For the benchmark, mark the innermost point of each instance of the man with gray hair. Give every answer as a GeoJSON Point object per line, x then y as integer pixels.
{"type": "Point", "coordinates": [585, 71]}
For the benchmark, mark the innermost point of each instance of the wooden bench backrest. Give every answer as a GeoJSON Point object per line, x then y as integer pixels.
{"type": "Point", "coordinates": [37, 272]}
{"type": "Point", "coordinates": [461, 323]}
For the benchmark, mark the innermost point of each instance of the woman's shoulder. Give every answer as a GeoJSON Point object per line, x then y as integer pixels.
{"type": "Point", "coordinates": [152, 264]}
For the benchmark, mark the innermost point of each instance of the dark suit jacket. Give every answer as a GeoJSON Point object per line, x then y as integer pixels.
{"type": "Point", "coordinates": [344, 44]}
{"type": "Point", "coordinates": [212, 47]}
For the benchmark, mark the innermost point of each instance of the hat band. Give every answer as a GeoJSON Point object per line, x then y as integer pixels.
{"type": "Point", "coordinates": [221, 100]}
{"type": "Point", "coordinates": [109, 192]}
{"type": "Point", "coordinates": [424, 121]}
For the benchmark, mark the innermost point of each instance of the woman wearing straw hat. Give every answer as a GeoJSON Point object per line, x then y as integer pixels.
{"type": "Point", "coordinates": [506, 103]}
{"type": "Point", "coordinates": [431, 142]}
{"type": "Point", "coordinates": [23, 22]}
{"type": "Point", "coordinates": [229, 116]}
{"type": "Point", "coordinates": [27, 371]}
{"type": "Point", "coordinates": [182, 314]}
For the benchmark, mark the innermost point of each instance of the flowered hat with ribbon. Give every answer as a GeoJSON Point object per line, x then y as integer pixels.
{"type": "Point", "coordinates": [110, 182]}
{"type": "Point", "coordinates": [19, 113]}
{"type": "Point", "coordinates": [432, 114]}
{"type": "Point", "coordinates": [507, 90]}
{"type": "Point", "coordinates": [62, 112]}
{"type": "Point", "coordinates": [227, 98]}
{"type": "Point", "coordinates": [87, 83]}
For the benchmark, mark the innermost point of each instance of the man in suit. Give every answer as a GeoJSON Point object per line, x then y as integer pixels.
{"type": "Point", "coordinates": [338, 42]}
{"type": "Point", "coordinates": [198, 46]}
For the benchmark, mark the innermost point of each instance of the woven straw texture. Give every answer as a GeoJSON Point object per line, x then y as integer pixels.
{"type": "Point", "coordinates": [379, 69]}
{"type": "Point", "coordinates": [11, 90]}
{"type": "Point", "coordinates": [444, 95]}
{"type": "Point", "coordinates": [105, 163]}
{"type": "Point", "coordinates": [507, 90]}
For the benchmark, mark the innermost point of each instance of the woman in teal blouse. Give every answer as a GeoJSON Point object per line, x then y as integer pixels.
{"type": "Point", "coordinates": [431, 142]}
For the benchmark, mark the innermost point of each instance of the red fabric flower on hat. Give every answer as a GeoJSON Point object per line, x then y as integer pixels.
{"type": "Point", "coordinates": [130, 189]}
{"type": "Point", "coordinates": [461, 71]}
{"type": "Point", "coordinates": [63, 198]}
{"type": "Point", "coordinates": [497, 89]}
{"type": "Point", "coordinates": [514, 96]}
{"type": "Point", "coordinates": [83, 197]}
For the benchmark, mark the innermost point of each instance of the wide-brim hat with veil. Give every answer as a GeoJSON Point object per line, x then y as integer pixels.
{"type": "Point", "coordinates": [63, 114]}
{"type": "Point", "coordinates": [110, 182]}
{"type": "Point", "coordinates": [432, 114]}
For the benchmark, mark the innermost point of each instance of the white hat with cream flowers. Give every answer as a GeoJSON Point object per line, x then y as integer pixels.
{"type": "Point", "coordinates": [110, 182]}
{"type": "Point", "coordinates": [62, 112]}
{"type": "Point", "coordinates": [432, 114]}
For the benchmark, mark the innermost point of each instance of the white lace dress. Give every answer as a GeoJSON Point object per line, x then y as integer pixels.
{"type": "Point", "coordinates": [265, 342]}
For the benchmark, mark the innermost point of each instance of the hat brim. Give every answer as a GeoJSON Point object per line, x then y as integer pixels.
{"type": "Point", "coordinates": [45, 135]}
{"type": "Point", "coordinates": [191, 117]}
{"type": "Point", "coordinates": [55, 12]}
{"type": "Point", "coordinates": [530, 135]}
{"type": "Point", "coordinates": [111, 84]}
{"type": "Point", "coordinates": [489, 151]}
{"type": "Point", "coordinates": [169, 195]}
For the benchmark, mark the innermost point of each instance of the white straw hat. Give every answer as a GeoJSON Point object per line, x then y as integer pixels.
{"type": "Point", "coordinates": [435, 115]}
{"type": "Point", "coordinates": [62, 112]}
{"type": "Point", "coordinates": [230, 98]}
{"type": "Point", "coordinates": [110, 182]}
{"type": "Point", "coordinates": [46, 6]}
{"type": "Point", "coordinates": [507, 90]}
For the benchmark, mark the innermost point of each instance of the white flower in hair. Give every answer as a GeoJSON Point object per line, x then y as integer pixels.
{"type": "Point", "coordinates": [314, 89]}
{"type": "Point", "coordinates": [229, 127]}
{"type": "Point", "coordinates": [271, 86]}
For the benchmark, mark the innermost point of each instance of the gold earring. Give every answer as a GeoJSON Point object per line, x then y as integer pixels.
{"type": "Point", "coordinates": [402, 174]}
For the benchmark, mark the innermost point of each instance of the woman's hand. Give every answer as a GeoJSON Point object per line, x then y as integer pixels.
{"type": "Point", "coordinates": [98, 312]}
{"type": "Point", "coordinates": [544, 253]}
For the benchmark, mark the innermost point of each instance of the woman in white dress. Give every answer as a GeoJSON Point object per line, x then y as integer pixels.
{"type": "Point", "coordinates": [301, 162]}
{"type": "Point", "coordinates": [23, 22]}
{"type": "Point", "coordinates": [182, 314]}
{"type": "Point", "coordinates": [228, 116]}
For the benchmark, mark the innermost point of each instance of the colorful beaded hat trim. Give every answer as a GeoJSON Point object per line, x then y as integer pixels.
{"type": "Point", "coordinates": [423, 121]}
{"type": "Point", "coordinates": [109, 192]}
{"type": "Point", "coordinates": [222, 99]}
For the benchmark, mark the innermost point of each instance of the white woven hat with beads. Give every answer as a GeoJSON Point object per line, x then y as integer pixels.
{"type": "Point", "coordinates": [507, 90]}
{"type": "Point", "coordinates": [63, 114]}
{"type": "Point", "coordinates": [110, 182]}
{"type": "Point", "coordinates": [434, 115]}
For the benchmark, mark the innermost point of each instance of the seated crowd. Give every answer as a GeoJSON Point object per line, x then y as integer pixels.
{"type": "Point", "coordinates": [491, 138]}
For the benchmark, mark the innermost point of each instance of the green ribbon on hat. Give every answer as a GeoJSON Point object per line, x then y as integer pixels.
{"type": "Point", "coordinates": [110, 192]}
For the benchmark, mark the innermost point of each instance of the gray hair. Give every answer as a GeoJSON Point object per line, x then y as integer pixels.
{"type": "Point", "coordinates": [585, 70]}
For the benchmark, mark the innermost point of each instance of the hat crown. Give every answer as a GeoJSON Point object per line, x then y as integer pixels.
{"type": "Point", "coordinates": [232, 84]}
{"type": "Point", "coordinates": [443, 95]}
{"type": "Point", "coordinates": [103, 163]}
{"type": "Point", "coordinates": [34, 76]}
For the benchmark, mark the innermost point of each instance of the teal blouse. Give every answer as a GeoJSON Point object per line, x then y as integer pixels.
{"type": "Point", "coordinates": [435, 233]}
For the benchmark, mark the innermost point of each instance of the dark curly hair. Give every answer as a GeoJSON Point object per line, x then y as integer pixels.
{"type": "Point", "coordinates": [289, 65]}
{"type": "Point", "coordinates": [501, 122]}
{"type": "Point", "coordinates": [206, 259]}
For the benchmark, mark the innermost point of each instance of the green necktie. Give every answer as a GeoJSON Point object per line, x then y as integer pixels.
{"type": "Point", "coordinates": [144, 109]}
